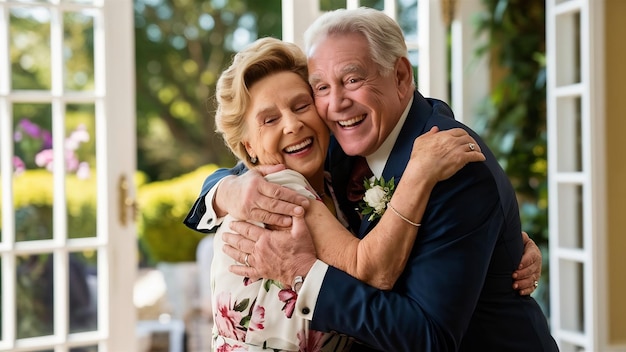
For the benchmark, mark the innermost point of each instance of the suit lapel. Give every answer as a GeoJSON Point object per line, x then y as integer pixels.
{"type": "Point", "coordinates": [413, 127]}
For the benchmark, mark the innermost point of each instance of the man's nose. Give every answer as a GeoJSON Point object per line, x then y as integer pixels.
{"type": "Point", "coordinates": [337, 99]}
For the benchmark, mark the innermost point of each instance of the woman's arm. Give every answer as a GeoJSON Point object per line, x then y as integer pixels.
{"type": "Point", "coordinates": [380, 257]}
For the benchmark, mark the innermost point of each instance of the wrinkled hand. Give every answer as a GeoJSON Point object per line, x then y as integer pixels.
{"type": "Point", "coordinates": [280, 255]}
{"type": "Point", "coordinates": [251, 197]}
{"type": "Point", "coordinates": [440, 154]}
{"type": "Point", "coordinates": [529, 270]}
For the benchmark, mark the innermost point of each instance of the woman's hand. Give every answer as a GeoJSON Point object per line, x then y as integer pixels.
{"type": "Point", "coordinates": [526, 277]}
{"type": "Point", "coordinates": [440, 154]}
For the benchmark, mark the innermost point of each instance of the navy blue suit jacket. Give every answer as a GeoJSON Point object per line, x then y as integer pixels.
{"type": "Point", "coordinates": [455, 293]}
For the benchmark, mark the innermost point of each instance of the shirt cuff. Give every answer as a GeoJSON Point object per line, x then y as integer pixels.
{"type": "Point", "coordinates": [209, 219]}
{"type": "Point", "coordinates": [307, 297]}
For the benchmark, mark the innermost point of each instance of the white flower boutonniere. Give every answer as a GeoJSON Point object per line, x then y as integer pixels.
{"type": "Point", "coordinates": [378, 193]}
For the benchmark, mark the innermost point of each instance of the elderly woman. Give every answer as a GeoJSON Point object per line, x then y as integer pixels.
{"type": "Point", "coordinates": [267, 116]}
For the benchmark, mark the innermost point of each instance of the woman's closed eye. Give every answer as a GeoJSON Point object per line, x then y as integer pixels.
{"type": "Point", "coordinates": [302, 107]}
{"type": "Point", "coordinates": [268, 120]}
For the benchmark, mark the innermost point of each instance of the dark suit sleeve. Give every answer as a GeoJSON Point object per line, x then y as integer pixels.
{"type": "Point", "coordinates": [430, 307]}
{"type": "Point", "coordinates": [199, 208]}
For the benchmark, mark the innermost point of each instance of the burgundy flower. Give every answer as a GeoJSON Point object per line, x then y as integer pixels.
{"type": "Point", "coordinates": [247, 281]}
{"type": "Point", "coordinates": [288, 296]}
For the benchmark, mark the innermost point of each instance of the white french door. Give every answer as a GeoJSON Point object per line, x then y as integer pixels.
{"type": "Point", "coordinates": [67, 160]}
{"type": "Point", "coordinates": [576, 173]}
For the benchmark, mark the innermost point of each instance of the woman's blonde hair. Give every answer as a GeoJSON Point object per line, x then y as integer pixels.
{"type": "Point", "coordinates": [262, 58]}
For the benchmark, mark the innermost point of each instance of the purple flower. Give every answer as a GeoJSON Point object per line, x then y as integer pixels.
{"type": "Point", "coordinates": [36, 141]}
{"type": "Point", "coordinates": [46, 138]}
{"type": "Point", "coordinates": [31, 129]}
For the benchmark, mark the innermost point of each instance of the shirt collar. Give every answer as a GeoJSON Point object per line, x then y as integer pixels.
{"type": "Point", "coordinates": [378, 159]}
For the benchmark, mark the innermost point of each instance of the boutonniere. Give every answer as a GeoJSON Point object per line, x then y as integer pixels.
{"type": "Point", "coordinates": [378, 193]}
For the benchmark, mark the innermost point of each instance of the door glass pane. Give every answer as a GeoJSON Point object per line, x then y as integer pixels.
{"type": "Point", "coordinates": [78, 50]}
{"type": "Point", "coordinates": [29, 46]}
{"type": "Point", "coordinates": [80, 149]}
{"type": "Point", "coordinates": [34, 295]}
{"type": "Point", "coordinates": [375, 4]}
{"type": "Point", "coordinates": [83, 288]}
{"type": "Point", "coordinates": [407, 19]}
{"type": "Point", "coordinates": [33, 184]}
{"type": "Point", "coordinates": [568, 51]}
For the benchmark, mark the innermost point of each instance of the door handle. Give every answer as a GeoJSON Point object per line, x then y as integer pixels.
{"type": "Point", "coordinates": [126, 202]}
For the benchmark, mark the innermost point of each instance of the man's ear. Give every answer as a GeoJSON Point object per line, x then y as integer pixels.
{"type": "Point", "coordinates": [404, 76]}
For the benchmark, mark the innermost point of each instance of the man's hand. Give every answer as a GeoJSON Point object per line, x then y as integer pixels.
{"type": "Point", "coordinates": [280, 255]}
{"type": "Point", "coordinates": [529, 271]}
{"type": "Point", "coordinates": [251, 197]}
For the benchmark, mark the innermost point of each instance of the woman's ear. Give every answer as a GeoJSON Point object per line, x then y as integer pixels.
{"type": "Point", "coordinates": [249, 149]}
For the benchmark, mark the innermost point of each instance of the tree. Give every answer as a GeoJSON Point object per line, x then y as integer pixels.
{"type": "Point", "coordinates": [181, 48]}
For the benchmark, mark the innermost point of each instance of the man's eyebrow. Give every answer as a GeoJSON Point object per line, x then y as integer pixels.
{"type": "Point", "coordinates": [352, 68]}
{"type": "Point", "coordinates": [314, 78]}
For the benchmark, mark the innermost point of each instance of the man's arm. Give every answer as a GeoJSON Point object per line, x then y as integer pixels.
{"type": "Point", "coordinates": [246, 195]}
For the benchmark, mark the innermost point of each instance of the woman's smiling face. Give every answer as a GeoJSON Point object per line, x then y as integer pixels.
{"type": "Point", "coordinates": [283, 127]}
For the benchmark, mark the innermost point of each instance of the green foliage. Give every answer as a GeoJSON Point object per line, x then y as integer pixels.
{"type": "Point", "coordinates": [163, 206]}
{"type": "Point", "coordinates": [33, 194]}
{"type": "Point", "coordinates": [513, 118]}
{"type": "Point", "coordinates": [182, 46]}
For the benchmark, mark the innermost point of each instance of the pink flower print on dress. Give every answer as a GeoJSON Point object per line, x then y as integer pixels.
{"type": "Point", "coordinates": [227, 319]}
{"type": "Point", "coordinates": [248, 281]}
{"type": "Point", "coordinates": [258, 319]}
{"type": "Point", "coordinates": [289, 297]}
{"type": "Point", "coordinates": [228, 348]}
{"type": "Point", "coordinates": [313, 343]}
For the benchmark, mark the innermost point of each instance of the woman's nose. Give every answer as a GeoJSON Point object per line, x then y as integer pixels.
{"type": "Point", "coordinates": [292, 123]}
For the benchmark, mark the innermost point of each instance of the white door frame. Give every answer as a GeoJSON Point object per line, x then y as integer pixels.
{"type": "Point", "coordinates": [115, 243]}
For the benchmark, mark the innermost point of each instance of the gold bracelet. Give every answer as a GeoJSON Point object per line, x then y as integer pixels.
{"type": "Point", "coordinates": [402, 217]}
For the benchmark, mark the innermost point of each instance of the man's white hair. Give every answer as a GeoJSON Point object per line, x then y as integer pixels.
{"type": "Point", "coordinates": [384, 35]}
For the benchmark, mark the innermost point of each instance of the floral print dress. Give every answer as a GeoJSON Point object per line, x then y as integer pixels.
{"type": "Point", "coordinates": [255, 316]}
